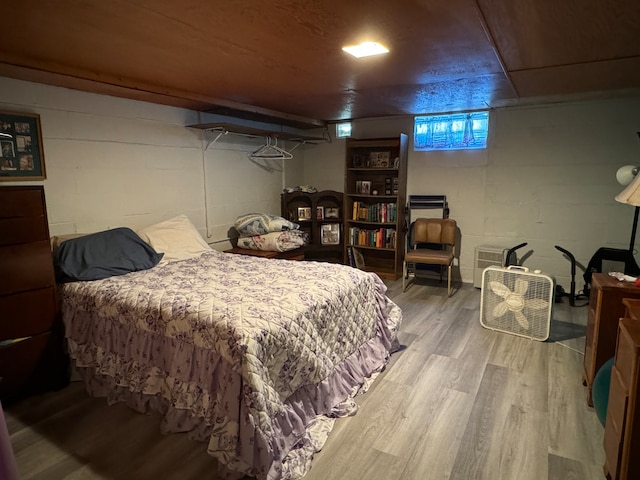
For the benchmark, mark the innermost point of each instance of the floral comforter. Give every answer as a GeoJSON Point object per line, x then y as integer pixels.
{"type": "Point", "coordinates": [242, 352]}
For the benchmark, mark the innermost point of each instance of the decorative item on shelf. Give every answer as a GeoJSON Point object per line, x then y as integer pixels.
{"type": "Point", "coordinates": [304, 213]}
{"type": "Point", "coordinates": [360, 161]}
{"type": "Point", "coordinates": [22, 157]}
{"type": "Point", "coordinates": [300, 188]}
{"type": "Point", "coordinates": [379, 159]}
{"type": "Point", "coordinates": [319, 212]}
{"type": "Point", "coordinates": [330, 234]}
{"type": "Point", "coordinates": [387, 186]}
{"type": "Point", "coordinates": [331, 212]}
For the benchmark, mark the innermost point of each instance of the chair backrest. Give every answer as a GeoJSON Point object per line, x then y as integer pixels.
{"type": "Point", "coordinates": [435, 230]}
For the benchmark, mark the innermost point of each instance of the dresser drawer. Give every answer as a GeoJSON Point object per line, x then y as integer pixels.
{"type": "Point", "coordinates": [625, 354]}
{"type": "Point", "coordinates": [615, 423]}
{"type": "Point", "coordinates": [33, 364]}
{"type": "Point", "coordinates": [21, 202]}
{"type": "Point", "coordinates": [23, 230]}
{"type": "Point", "coordinates": [618, 400]}
{"type": "Point", "coordinates": [26, 267]}
{"type": "Point", "coordinates": [26, 314]}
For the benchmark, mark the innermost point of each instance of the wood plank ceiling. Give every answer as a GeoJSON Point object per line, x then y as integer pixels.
{"type": "Point", "coordinates": [282, 59]}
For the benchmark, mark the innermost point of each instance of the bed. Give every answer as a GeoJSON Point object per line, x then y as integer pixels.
{"type": "Point", "coordinates": [247, 354]}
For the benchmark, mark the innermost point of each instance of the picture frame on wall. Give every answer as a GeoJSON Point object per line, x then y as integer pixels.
{"type": "Point", "coordinates": [21, 153]}
{"type": "Point", "coordinates": [319, 212]}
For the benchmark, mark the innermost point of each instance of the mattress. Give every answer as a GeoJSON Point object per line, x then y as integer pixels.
{"type": "Point", "coordinates": [241, 352]}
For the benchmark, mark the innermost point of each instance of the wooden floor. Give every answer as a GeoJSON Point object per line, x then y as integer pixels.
{"type": "Point", "coordinates": [458, 402]}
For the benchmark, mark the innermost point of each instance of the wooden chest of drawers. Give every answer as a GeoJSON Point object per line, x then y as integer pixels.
{"type": "Point", "coordinates": [622, 427]}
{"type": "Point", "coordinates": [31, 336]}
{"type": "Point", "coordinates": [605, 310]}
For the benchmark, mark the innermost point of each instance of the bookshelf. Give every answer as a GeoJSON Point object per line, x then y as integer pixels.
{"type": "Point", "coordinates": [374, 203]}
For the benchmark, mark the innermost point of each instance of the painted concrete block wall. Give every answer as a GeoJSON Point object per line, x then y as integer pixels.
{"type": "Point", "coordinates": [114, 162]}
{"type": "Point", "coordinates": [546, 178]}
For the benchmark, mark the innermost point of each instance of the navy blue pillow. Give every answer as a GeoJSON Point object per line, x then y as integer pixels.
{"type": "Point", "coordinates": [102, 255]}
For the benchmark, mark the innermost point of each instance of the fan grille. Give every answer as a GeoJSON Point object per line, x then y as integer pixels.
{"type": "Point", "coordinates": [516, 302]}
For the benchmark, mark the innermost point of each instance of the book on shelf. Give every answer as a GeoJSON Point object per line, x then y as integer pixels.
{"type": "Point", "coordinates": [383, 212]}
{"type": "Point", "coordinates": [358, 259]}
{"type": "Point", "coordinates": [378, 237]}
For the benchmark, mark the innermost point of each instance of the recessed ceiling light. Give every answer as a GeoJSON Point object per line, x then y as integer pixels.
{"type": "Point", "coordinates": [366, 49]}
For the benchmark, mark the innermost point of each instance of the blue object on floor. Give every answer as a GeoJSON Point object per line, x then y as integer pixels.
{"type": "Point", "coordinates": [600, 390]}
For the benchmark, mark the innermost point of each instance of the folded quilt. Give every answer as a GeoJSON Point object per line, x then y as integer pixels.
{"type": "Point", "coordinates": [260, 223]}
{"type": "Point", "coordinates": [274, 241]}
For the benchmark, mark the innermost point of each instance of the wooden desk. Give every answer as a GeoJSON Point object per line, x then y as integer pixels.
{"type": "Point", "coordinates": [297, 254]}
{"type": "Point", "coordinates": [605, 310]}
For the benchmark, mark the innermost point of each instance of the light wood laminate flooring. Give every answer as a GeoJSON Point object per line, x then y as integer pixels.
{"type": "Point", "coordinates": [458, 402]}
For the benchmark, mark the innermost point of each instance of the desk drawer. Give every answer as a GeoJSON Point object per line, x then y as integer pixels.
{"type": "Point", "coordinates": [26, 314]}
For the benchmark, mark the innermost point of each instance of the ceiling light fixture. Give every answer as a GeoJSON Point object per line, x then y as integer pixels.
{"type": "Point", "coordinates": [366, 49]}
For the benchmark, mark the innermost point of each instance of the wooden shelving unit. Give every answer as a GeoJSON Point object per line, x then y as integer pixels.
{"type": "Point", "coordinates": [224, 128]}
{"type": "Point", "coordinates": [324, 228]}
{"type": "Point", "coordinates": [375, 197]}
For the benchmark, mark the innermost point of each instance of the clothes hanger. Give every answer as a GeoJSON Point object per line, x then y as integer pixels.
{"type": "Point", "coordinates": [269, 151]}
{"type": "Point", "coordinates": [264, 156]}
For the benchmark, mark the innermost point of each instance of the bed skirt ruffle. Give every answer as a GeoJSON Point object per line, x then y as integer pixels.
{"type": "Point", "coordinates": [197, 392]}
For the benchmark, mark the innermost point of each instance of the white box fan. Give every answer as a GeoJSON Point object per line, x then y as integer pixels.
{"type": "Point", "coordinates": [514, 300]}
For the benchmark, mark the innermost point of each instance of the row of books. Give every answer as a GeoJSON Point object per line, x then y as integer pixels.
{"type": "Point", "coordinates": [378, 212]}
{"type": "Point", "coordinates": [379, 238]}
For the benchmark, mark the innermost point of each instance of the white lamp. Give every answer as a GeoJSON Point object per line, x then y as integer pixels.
{"type": "Point", "coordinates": [626, 174]}
{"type": "Point", "coordinates": [630, 196]}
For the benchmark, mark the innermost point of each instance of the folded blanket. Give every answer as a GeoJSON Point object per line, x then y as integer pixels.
{"type": "Point", "coordinates": [274, 241]}
{"type": "Point", "coordinates": [261, 223]}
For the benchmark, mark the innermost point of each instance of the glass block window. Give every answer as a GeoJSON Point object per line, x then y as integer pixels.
{"type": "Point", "coordinates": [456, 131]}
{"type": "Point", "coordinates": [343, 130]}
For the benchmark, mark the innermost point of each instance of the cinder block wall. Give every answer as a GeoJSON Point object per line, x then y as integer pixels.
{"type": "Point", "coordinates": [113, 162]}
{"type": "Point", "coordinates": [546, 178]}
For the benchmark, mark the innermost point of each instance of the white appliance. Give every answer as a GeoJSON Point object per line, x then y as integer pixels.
{"type": "Point", "coordinates": [489, 256]}
{"type": "Point", "coordinates": [514, 300]}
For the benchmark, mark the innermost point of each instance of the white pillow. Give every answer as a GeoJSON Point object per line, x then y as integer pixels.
{"type": "Point", "coordinates": [177, 238]}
